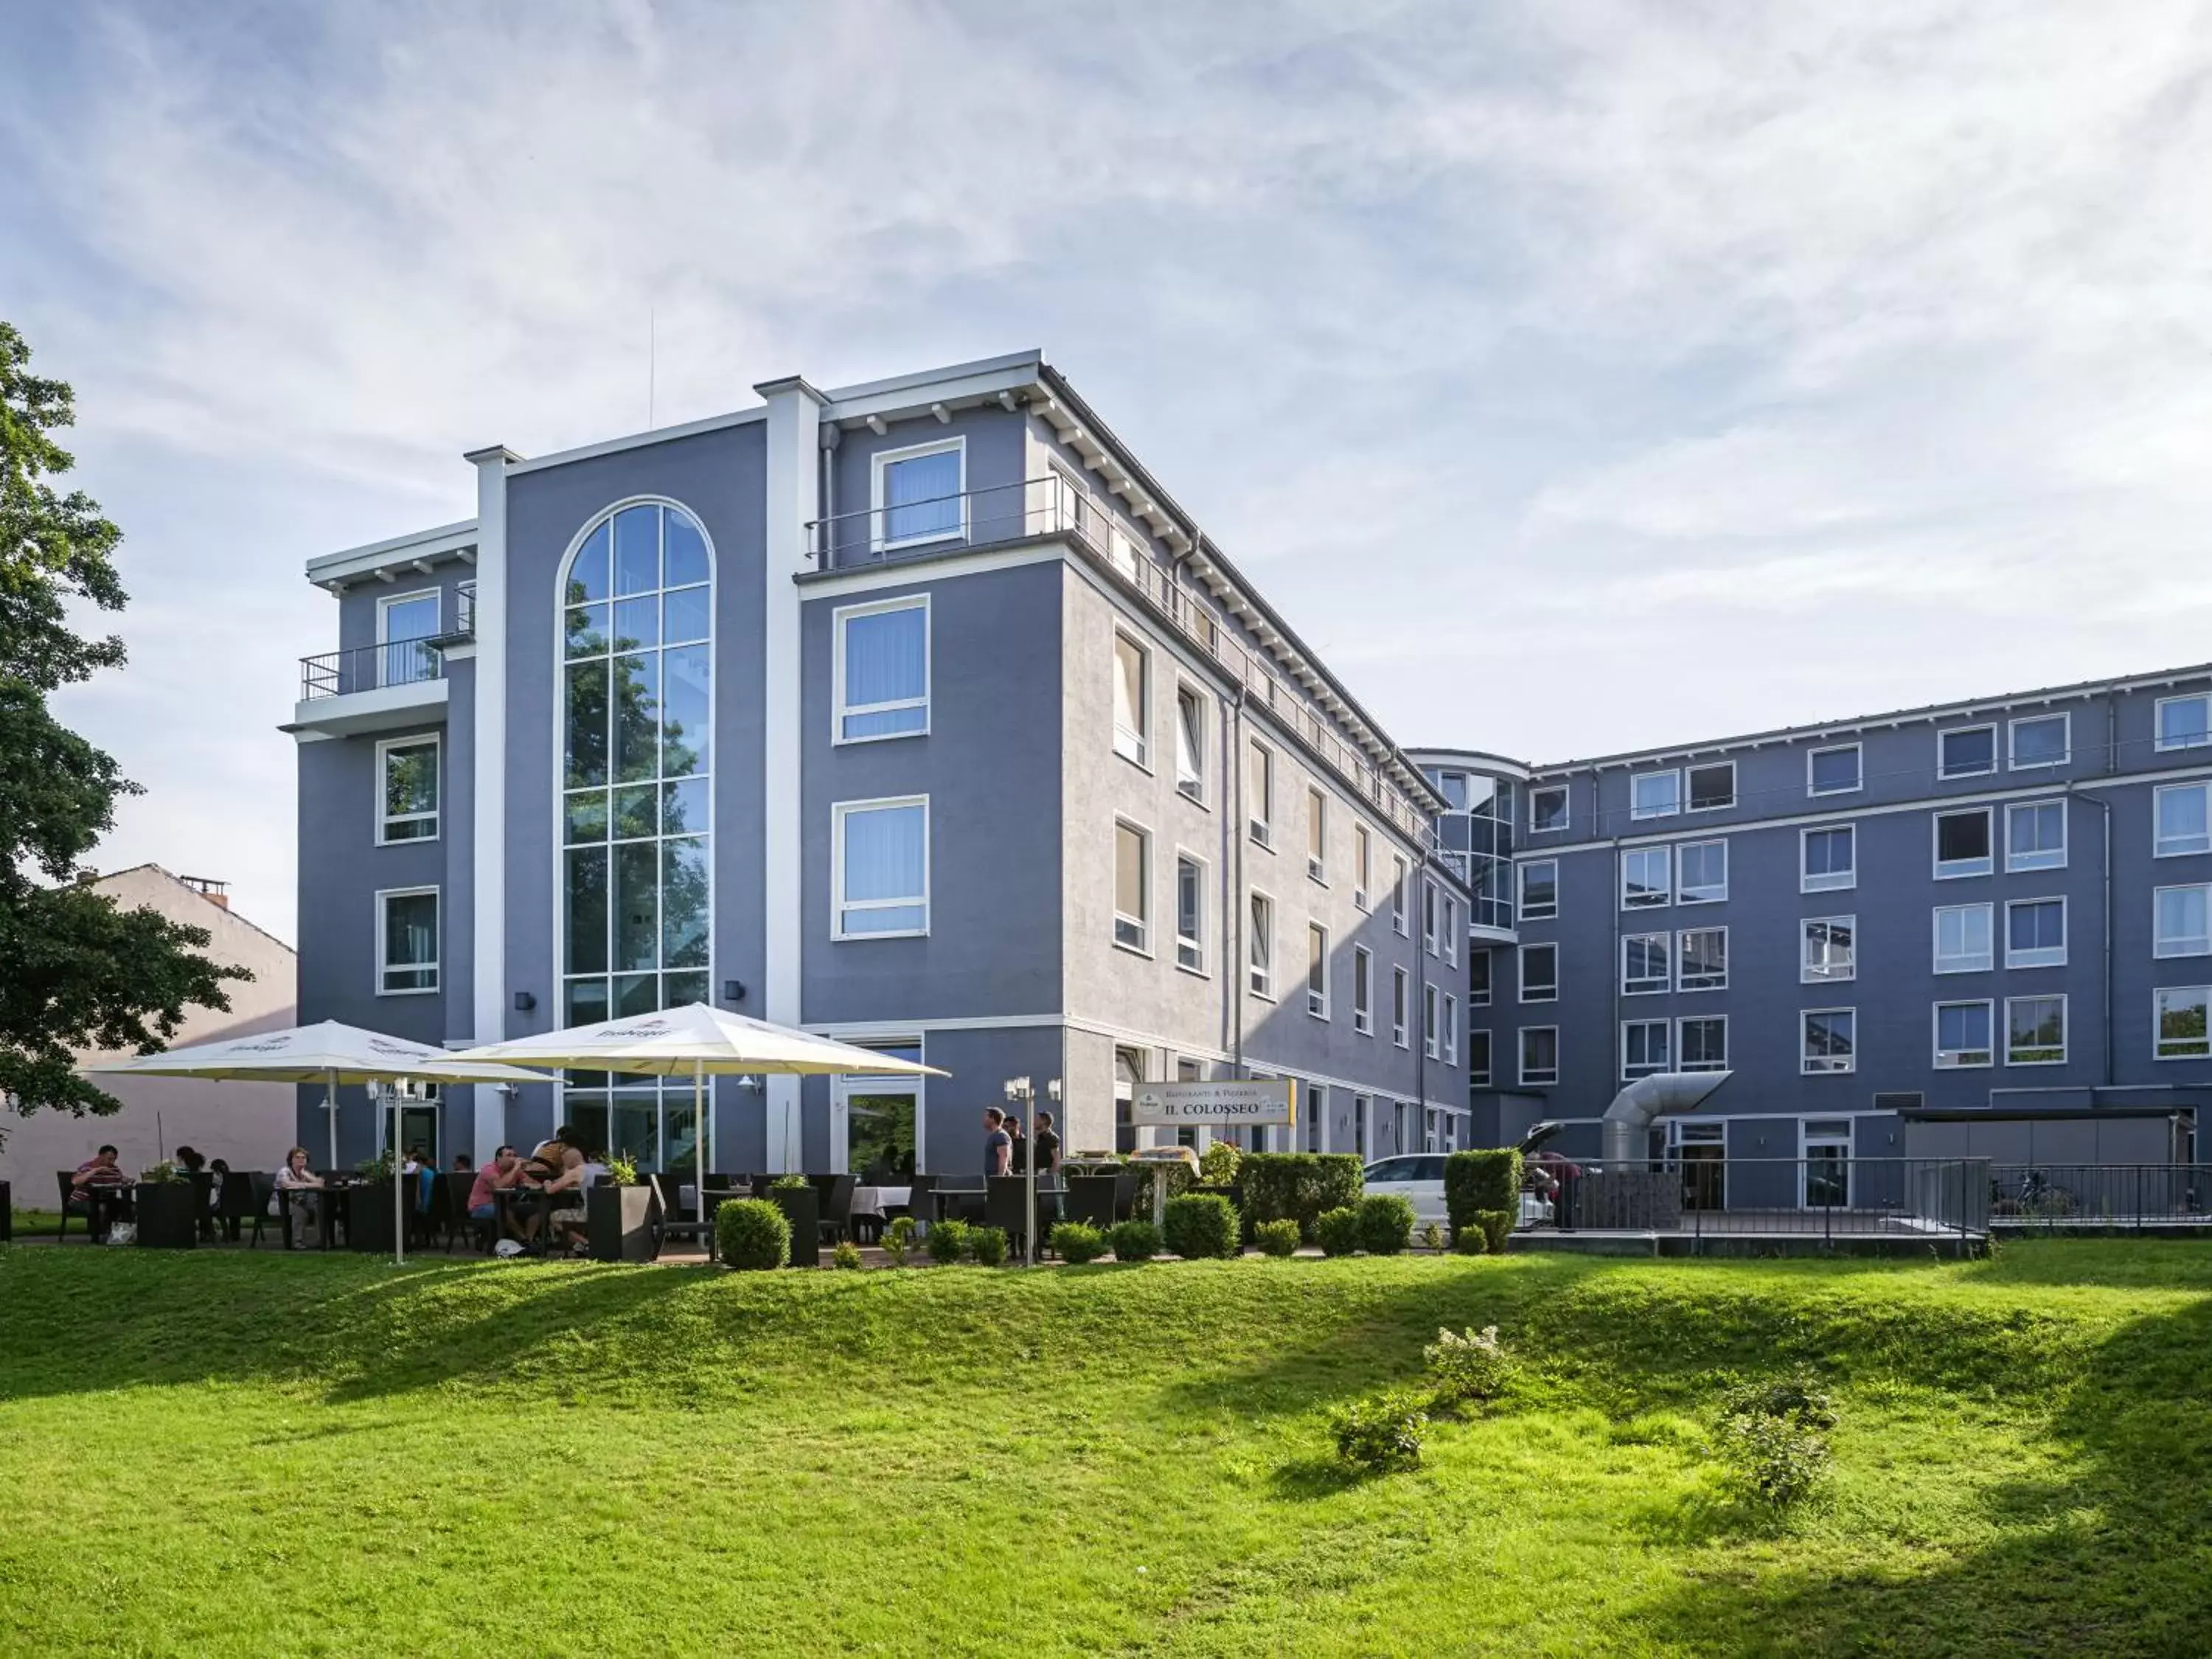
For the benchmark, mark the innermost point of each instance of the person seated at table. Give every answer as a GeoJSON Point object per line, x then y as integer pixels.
{"type": "Point", "coordinates": [193, 1164]}
{"type": "Point", "coordinates": [502, 1174]}
{"type": "Point", "coordinates": [461, 1164]}
{"type": "Point", "coordinates": [220, 1169]}
{"type": "Point", "coordinates": [100, 1191]}
{"type": "Point", "coordinates": [564, 1193]}
{"type": "Point", "coordinates": [549, 1157]}
{"type": "Point", "coordinates": [306, 1199]}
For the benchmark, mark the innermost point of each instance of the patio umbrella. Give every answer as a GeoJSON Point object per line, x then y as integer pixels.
{"type": "Point", "coordinates": [694, 1040]}
{"type": "Point", "coordinates": [329, 1054]}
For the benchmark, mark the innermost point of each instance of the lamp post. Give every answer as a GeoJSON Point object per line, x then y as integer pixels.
{"type": "Point", "coordinates": [1019, 1094]}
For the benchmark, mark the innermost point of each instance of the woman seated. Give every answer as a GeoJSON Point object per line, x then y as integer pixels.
{"type": "Point", "coordinates": [299, 1189]}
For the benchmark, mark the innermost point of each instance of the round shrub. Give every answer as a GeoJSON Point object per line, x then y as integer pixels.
{"type": "Point", "coordinates": [1277, 1238]}
{"type": "Point", "coordinates": [752, 1233]}
{"type": "Point", "coordinates": [1076, 1243]}
{"type": "Point", "coordinates": [1381, 1433]}
{"type": "Point", "coordinates": [1432, 1236]}
{"type": "Point", "coordinates": [1468, 1241]}
{"type": "Point", "coordinates": [1496, 1227]}
{"type": "Point", "coordinates": [899, 1238]}
{"type": "Point", "coordinates": [948, 1241]}
{"type": "Point", "coordinates": [1199, 1224]}
{"type": "Point", "coordinates": [1218, 1163]}
{"type": "Point", "coordinates": [1469, 1366]}
{"type": "Point", "coordinates": [1337, 1231]}
{"type": "Point", "coordinates": [987, 1245]}
{"type": "Point", "coordinates": [1133, 1240]}
{"type": "Point", "coordinates": [1386, 1224]}
{"type": "Point", "coordinates": [845, 1255]}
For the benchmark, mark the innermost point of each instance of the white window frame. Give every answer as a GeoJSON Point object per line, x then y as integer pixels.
{"type": "Point", "coordinates": [839, 812]}
{"type": "Point", "coordinates": [1316, 835]}
{"type": "Point", "coordinates": [1829, 881]}
{"type": "Point", "coordinates": [1537, 1077]}
{"type": "Point", "coordinates": [1399, 922]}
{"type": "Point", "coordinates": [2195, 947]}
{"type": "Point", "coordinates": [386, 604]}
{"type": "Point", "coordinates": [1363, 867]}
{"type": "Point", "coordinates": [1134, 746]}
{"type": "Point", "coordinates": [1521, 973]}
{"type": "Point", "coordinates": [1976, 868]}
{"type": "Point", "coordinates": [2043, 857]}
{"type": "Point", "coordinates": [1429, 1024]}
{"type": "Point", "coordinates": [1191, 954]}
{"type": "Point", "coordinates": [2203, 1045]}
{"type": "Point", "coordinates": [1665, 855]}
{"type": "Point", "coordinates": [1673, 808]}
{"type": "Point", "coordinates": [1689, 792]}
{"type": "Point", "coordinates": [1261, 829]}
{"type": "Point", "coordinates": [385, 817]}
{"type": "Point", "coordinates": [1682, 1048]}
{"type": "Point", "coordinates": [2158, 723]}
{"type": "Point", "coordinates": [384, 965]}
{"type": "Point", "coordinates": [1192, 787]}
{"type": "Point", "coordinates": [1565, 814]}
{"type": "Point", "coordinates": [881, 462]}
{"type": "Point", "coordinates": [1969, 965]}
{"type": "Point", "coordinates": [2159, 848]}
{"type": "Point", "coordinates": [1401, 1004]}
{"type": "Point", "coordinates": [1682, 894]}
{"type": "Point", "coordinates": [1363, 990]}
{"type": "Point", "coordinates": [1858, 772]}
{"type": "Point", "coordinates": [1630, 1070]}
{"type": "Point", "coordinates": [1708, 982]}
{"type": "Point", "coordinates": [2012, 762]}
{"type": "Point", "coordinates": [1451, 1030]}
{"type": "Point", "coordinates": [1520, 892]}
{"type": "Point", "coordinates": [1140, 925]}
{"type": "Point", "coordinates": [1451, 930]}
{"type": "Point", "coordinates": [1317, 1001]}
{"type": "Point", "coordinates": [2042, 955]}
{"type": "Point", "coordinates": [1949, 1059]}
{"type": "Point", "coordinates": [1646, 986]}
{"type": "Point", "coordinates": [1807, 973]}
{"type": "Point", "coordinates": [840, 710]}
{"type": "Point", "coordinates": [1945, 771]}
{"type": "Point", "coordinates": [2065, 1027]}
{"type": "Point", "coordinates": [1810, 1065]}
{"type": "Point", "coordinates": [1259, 979]}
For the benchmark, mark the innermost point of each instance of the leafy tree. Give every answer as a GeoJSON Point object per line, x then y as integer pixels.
{"type": "Point", "coordinates": [75, 972]}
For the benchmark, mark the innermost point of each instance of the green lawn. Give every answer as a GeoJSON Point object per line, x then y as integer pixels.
{"type": "Point", "coordinates": [34, 1223]}
{"type": "Point", "coordinates": [272, 1454]}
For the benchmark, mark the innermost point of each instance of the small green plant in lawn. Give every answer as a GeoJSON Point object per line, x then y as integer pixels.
{"type": "Point", "coordinates": [1496, 1227]}
{"type": "Point", "coordinates": [792, 1182]}
{"type": "Point", "coordinates": [948, 1241]}
{"type": "Point", "coordinates": [1277, 1238]}
{"type": "Point", "coordinates": [1470, 1240]}
{"type": "Point", "coordinates": [1381, 1433]}
{"type": "Point", "coordinates": [1218, 1163]}
{"type": "Point", "coordinates": [1074, 1243]}
{"type": "Point", "coordinates": [1133, 1240]}
{"type": "Point", "coordinates": [751, 1233]}
{"type": "Point", "coordinates": [1468, 1367]}
{"type": "Point", "coordinates": [1432, 1235]}
{"type": "Point", "coordinates": [1770, 1437]}
{"type": "Point", "coordinates": [847, 1255]}
{"type": "Point", "coordinates": [1337, 1231]}
{"type": "Point", "coordinates": [1386, 1224]}
{"type": "Point", "coordinates": [987, 1245]}
{"type": "Point", "coordinates": [1201, 1225]}
{"type": "Point", "coordinates": [1798, 1396]}
{"type": "Point", "coordinates": [898, 1239]}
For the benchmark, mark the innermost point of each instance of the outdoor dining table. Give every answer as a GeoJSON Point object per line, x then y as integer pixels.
{"type": "Point", "coordinates": [323, 1212]}
{"type": "Point", "coordinates": [876, 1201]}
{"type": "Point", "coordinates": [508, 1200]}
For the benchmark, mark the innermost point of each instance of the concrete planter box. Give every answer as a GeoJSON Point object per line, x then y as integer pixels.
{"type": "Point", "coordinates": [619, 1223]}
{"type": "Point", "coordinates": [7, 1213]}
{"type": "Point", "coordinates": [368, 1218]}
{"type": "Point", "coordinates": [167, 1215]}
{"type": "Point", "coordinates": [802, 1208]}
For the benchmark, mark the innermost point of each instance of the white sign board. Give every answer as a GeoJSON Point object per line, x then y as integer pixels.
{"type": "Point", "coordinates": [1164, 1104]}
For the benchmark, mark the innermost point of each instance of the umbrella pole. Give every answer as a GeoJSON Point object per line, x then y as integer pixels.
{"type": "Point", "coordinates": [398, 1189]}
{"type": "Point", "coordinates": [699, 1150]}
{"type": "Point", "coordinates": [331, 1110]}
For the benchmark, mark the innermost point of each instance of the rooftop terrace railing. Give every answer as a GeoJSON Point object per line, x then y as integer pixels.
{"type": "Point", "coordinates": [1053, 505]}
{"type": "Point", "coordinates": [366, 668]}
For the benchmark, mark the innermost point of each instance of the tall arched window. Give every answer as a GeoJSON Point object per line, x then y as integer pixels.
{"type": "Point", "coordinates": [636, 876]}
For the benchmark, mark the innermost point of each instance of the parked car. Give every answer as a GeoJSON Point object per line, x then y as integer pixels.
{"type": "Point", "coordinates": [1417, 1177]}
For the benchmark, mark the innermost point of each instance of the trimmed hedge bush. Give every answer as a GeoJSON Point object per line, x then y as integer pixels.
{"type": "Point", "coordinates": [1133, 1240]}
{"type": "Point", "coordinates": [847, 1255]}
{"type": "Point", "coordinates": [1496, 1227]}
{"type": "Point", "coordinates": [1298, 1186]}
{"type": "Point", "coordinates": [987, 1245]}
{"type": "Point", "coordinates": [751, 1233]}
{"type": "Point", "coordinates": [1386, 1224]}
{"type": "Point", "coordinates": [1488, 1180]}
{"type": "Point", "coordinates": [1074, 1243]}
{"type": "Point", "coordinates": [1201, 1225]}
{"type": "Point", "coordinates": [1338, 1231]}
{"type": "Point", "coordinates": [947, 1241]}
{"type": "Point", "coordinates": [1277, 1238]}
{"type": "Point", "coordinates": [1470, 1242]}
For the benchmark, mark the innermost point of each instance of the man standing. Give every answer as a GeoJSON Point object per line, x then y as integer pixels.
{"type": "Point", "coordinates": [998, 1145]}
{"type": "Point", "coordinates": [1018, 1153]}
{"type": "Point", "coordinates": [1045, 1144]}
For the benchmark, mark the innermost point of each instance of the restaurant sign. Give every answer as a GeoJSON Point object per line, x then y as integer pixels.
{"type": "Point", "coordinates": [1162, 1104]}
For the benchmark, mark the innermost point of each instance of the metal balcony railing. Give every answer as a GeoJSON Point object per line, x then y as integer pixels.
{"type": "Point", "coordinates": [366, 668]}
{"type": "Point", "coordinates": [1053, 505]}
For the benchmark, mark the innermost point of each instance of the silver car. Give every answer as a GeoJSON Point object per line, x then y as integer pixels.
{"type": "Point", "coordinates": [1418, 1178]}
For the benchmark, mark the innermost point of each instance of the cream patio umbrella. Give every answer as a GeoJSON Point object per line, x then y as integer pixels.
{"type": "Point", "coordinates": [693, 1041]}
{"type": "Point", "coordinates": [329, 1054]}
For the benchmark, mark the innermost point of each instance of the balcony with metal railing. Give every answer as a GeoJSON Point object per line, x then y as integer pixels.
{"type": "Point", "coordinates": [1052, 506]}
{"type": "Point", "coordinates": [371, 687]}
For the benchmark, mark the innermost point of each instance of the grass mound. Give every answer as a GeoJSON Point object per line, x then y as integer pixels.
{"type": "Point", "coordinates": [982, 1462]}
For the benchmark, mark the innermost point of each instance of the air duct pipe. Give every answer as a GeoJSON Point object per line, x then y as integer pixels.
{"type": "Point", "coordinates": [1663, 1094]}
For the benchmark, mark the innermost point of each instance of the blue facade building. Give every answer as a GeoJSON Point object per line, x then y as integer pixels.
{"type": "Point", "coordinates": [1980, 928]}
{"type": "Point", "coordinates": [914, 712]}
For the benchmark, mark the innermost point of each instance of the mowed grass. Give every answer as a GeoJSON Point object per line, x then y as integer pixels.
{"type": "Point", "coordinates": [271, 1454]}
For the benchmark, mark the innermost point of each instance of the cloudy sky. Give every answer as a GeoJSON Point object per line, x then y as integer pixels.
{"type": "Point", "coordinates": [1574, 376]}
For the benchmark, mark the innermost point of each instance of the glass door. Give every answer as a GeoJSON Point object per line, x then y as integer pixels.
{"type": "Point", "coordinates": [1827, 1153]}
{"type": "Point", "coordinates": [404, 625]}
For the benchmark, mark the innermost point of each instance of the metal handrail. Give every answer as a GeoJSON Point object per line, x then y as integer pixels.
{"type": "Point", "coordinates": [1051, 505]}
{"type": "Point", "coordinates": [365, 667]}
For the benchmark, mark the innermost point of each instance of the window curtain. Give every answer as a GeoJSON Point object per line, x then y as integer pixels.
{"type": "Point", "coordinates": [886, 661]}
{"type": "Point", "coordinates": [920, 497]}
{"type": "Point", "coordinates": [883, 855]}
